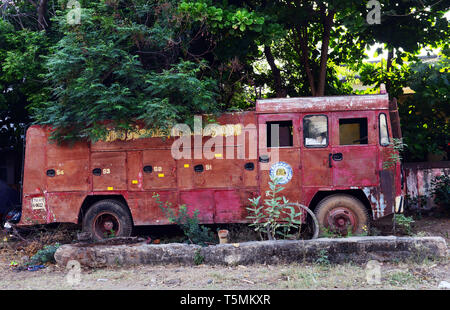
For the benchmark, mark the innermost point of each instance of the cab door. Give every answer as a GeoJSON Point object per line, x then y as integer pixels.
{"type": "Point", "coordinates": [315, 152]}
{"type": "Point", "coordinates": [279, 153]}
{"type": "Point", "coordinates": [353, 157]}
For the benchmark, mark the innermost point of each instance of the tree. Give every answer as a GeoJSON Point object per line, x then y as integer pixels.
{"type": "Point", "coordinates": [126, 63]}
{"type": "Point", "coordinates": [20, 84]}
{"type": "Point", "coordinates": [300, 40]}
{"type": "Point", "coordinates": [425, 114]}
{"type": "Point", "coordinates": [406, 27]}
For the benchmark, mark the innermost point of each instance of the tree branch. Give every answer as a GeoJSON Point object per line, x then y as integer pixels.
{"type": "Point", "coordinates": [278, 84]}
{"type": "Point", "coordinates": [327, 21]}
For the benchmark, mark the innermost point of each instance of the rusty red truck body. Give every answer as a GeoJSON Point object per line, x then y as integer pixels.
{"type": "Point", "coordinates": [331, 153]}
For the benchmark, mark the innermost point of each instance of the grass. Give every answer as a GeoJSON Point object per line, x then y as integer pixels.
{"type": "Point", "coordinates": [402, 279]}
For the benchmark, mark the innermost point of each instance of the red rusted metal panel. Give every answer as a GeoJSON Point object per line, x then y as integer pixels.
{"type": "Point", "coordinates": [163, 170]}
{"type": "Point", "coordinates": [71, 166]}
{"type": "Point", "coordinates": [316, 171]}
{"type": "Point", "coordinates": [64, 206]}
{"type": "Point", "coordinates": [35, 161]}
{"type": "Point", "coordinates": [358, 163]}
{"type": "Point", "coordinates": [323, 104]}
{"type": "Point", "coordinates": [201, 200]}
{"type": "Point", "coordinates": [185, 174]}
{"type": "Point", "coordinates": [228, 206]}
{"type": "Point", "coordinates": [145, 210]}
{"type": "Point", "coordinates": [112, 167]}
{"type": "Point", "coordinates": [315, 167]}
{"type": "Point", "coordinates": [288, 160]}
{"type": "Point", "coordinates": [135, 171]}
{"type": "Point", "coordinates": [218, 173]}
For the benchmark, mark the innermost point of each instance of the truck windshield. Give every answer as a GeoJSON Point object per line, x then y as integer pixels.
{"type": "Point", "coordinates": [315, 131]}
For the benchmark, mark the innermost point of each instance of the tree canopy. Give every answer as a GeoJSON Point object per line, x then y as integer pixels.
{"type": "Point", "coordinates": [158, 62]}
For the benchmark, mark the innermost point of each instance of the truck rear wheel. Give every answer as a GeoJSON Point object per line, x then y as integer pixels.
{"type": "Point", "coordinates": [106, 219]}
{"type": "Point", "coordinates": [342, 214]}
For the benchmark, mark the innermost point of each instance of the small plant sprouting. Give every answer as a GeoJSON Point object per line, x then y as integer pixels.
{"type": "Point", "coordinates": [196, 233]}
{"type": "Point", "coordinates": [109, 234]}
{"type": "Point", "coordinates": [404, 223]}
{"type": "Point", "coordinates": [397, 147]}
{"type": "Point", "coordinates": [198, 258]}
{"type": "Point", "coordinates": [323, 258]}
{"type": "Point", "coordinates": [45, 255]}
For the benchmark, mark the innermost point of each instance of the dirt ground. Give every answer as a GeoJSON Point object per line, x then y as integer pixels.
{"type": "Point", "coordinates": [427, 275]}
{"type": "Point", "coordinates": [312, 276]}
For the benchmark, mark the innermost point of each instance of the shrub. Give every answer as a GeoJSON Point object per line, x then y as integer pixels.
{"type": "Point", "coordinates": [196, 233]}
{"type": "Point", "coordinates": [440, 189]}
{"type": "Point", "coordinates": [45, 255]}
{"type": "Point", "coordinates": [403, 222]}
{"type": "Point", "coordinates": [273, 217]}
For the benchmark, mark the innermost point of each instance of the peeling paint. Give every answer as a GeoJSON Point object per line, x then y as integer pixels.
{"type": "Point", "coordinates": [377, 201]}
{"type": "Point", "coordinates": [418, 177]}
{"type": "Point", "coordinates": [331, 103]}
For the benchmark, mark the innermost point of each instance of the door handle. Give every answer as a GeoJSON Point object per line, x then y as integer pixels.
{"type": "Point", "coordinates": [198, 168]}
{"type": "Point", "coordinates": [264, 159]}
{"type": "Point", "coordinates": [338, 156]}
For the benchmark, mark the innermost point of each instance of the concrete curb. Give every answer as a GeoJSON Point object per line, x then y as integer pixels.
{"type": "Point", "coordinates": [354, 249]}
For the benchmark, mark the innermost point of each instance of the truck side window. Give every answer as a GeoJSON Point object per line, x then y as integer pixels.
{"type": "Point", "coordinates": [315, 131]}
{"type": "Point", "coordinates": [384, 133]}
{"type": "Point", "coordinates": [282, 134]}
{"type": "Point", "coordinates": [353, 131]}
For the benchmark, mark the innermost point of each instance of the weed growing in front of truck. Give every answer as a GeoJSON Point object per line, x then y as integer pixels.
{"type": "Point", "coordinates": [331, 233]}
{"type": "Point", "coordinates": [397, 146]}
{"type": "Point", "coordinates": [323, 258]}
{"type": "Point", "coordinates": [196, 233]}
{"type": "Point", "coordinates": [45, 255]}
{"type": "Point", "coordinates": [109, 234]}
{"type": "Point", "coordinates": [273, 217]}
{"type": "Point", "coordinates": [403, 222]}
{"type": "Point", "coordinates": [198, 257]}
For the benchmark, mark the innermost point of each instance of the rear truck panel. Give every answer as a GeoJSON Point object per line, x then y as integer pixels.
{"type": "Point", "coordinates": [59, 179]}
{"type": "Point", "coordinates": [56, 179]}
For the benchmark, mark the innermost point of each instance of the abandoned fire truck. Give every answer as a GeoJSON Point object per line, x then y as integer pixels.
{"type": "Point", "coordinates": [329, 153]}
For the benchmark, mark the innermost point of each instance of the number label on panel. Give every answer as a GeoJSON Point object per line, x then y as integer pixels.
{"type": "Point", "coordinates": [106, 171]}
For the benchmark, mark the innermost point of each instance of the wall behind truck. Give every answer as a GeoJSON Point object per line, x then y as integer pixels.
{"type": "Point", "coordinates": [418, 177]}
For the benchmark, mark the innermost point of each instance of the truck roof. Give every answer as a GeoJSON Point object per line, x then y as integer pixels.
{"type": "Point", "coordinates": [323, 104]}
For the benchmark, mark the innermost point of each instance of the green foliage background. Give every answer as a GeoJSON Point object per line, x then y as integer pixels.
{"type": "Point", "coordinates": [159, 62]}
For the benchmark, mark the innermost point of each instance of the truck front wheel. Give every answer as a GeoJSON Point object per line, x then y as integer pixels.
{"type": "Point", "coordinates": [342, 214]}
{"type": "Point", "coordinates": [107, 218]}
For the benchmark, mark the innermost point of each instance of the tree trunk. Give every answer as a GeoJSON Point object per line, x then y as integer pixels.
{"type": "Point", "coordinates": [278, 84]}
{"type": "Point", "coordinates": [327, 24]}
{"type": "Point", "coordinates": [303, 41]}
{"type": "Point", "coordinates": [388, 69]}
{"type": "Point", "coordinates": [41, 11]}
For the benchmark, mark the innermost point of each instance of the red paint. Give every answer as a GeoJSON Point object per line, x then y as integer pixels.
{"type": "Point", "coordinates": [221, 193]}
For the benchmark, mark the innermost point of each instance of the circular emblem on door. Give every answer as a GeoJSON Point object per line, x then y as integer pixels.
{"type": "Point", "coordinates": [281, 170]}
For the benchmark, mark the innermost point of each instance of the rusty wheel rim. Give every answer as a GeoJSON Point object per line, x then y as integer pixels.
{"type": "Point", "coordinates": [340, 219]}
{"type": "Point", "coordinates": [106, 225]}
